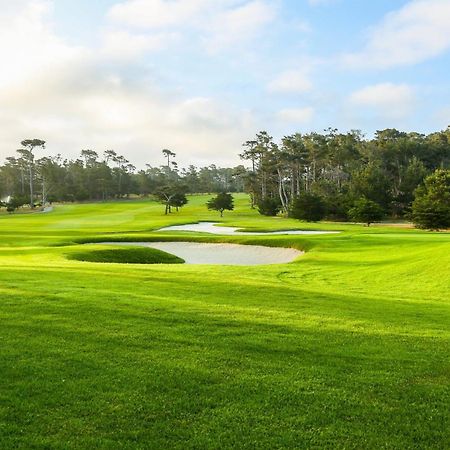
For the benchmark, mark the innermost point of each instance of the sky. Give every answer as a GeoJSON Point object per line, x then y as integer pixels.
{"type": "Point", "coordinates": [200, 77]}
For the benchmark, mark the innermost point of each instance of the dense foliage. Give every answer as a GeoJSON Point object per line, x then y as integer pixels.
{"type": "Point", "coordinates": [269, 206]}
{"type": "Point", "coordinates": [366, 211]}
{"type": "Point", "coordinates": [342, 168]}
{"type": "Point", "coordinates": [308, 207]}
{"type": "Point", "coordinates": [338, 169]}
{"type": "Point", "coordinates": [431, 208]}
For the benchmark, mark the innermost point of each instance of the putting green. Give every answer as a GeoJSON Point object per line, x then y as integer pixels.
{"type": "Point", "coordinates": [346, 347]}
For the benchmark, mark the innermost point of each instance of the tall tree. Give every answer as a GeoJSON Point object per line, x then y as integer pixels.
{"type": "Point", "coordinates": [221, 202]}
{"type": "Point", "coordinates": [431, 207]}
{"type": "Point", "coordinates": [168, 154]}
{"type": "Point", "coordinates": [27, 153]}
{"type": "Point", "coordinates": [173, 194]}
{"type": "Point", "coordinates": [366, 211]}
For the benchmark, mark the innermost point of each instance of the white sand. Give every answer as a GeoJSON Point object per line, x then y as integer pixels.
{"type": "Point", "coordinates": [223, 254]}
{"type": "Point", "coordinates": [210, 227]}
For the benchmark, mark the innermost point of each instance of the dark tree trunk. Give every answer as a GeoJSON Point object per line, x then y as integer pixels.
{"type": "Point", "coordinates": [31, 186]}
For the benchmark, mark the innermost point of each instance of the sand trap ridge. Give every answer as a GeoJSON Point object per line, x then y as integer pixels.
{"type": "Point", "coordinates": [221, 254]}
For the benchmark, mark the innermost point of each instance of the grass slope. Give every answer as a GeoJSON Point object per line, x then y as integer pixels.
{"type": "Point", "coordinates": [348, 347]}
{"type": "Point", "coordinates": [134, 255]}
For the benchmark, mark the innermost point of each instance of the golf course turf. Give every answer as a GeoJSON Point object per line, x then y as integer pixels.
{"type": "Point", "coordinates": [346, 347]}
{"type": "Point", "coordinates": [126, 256]}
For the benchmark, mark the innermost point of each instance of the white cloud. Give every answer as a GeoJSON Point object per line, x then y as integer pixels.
{"type": "Point", "coordinates": [415, 33]}
{"type": "Point", "coordinates": [238, 25]}
{"type": "Point", "coordinates": [77, 97]}
{"type": "Point", "coordinates": [156, 13]}
{"type": "Point", "coordinates": [220, 23]}
{"type": "Point", "coordinates": [27, 46]}
{"type": "Point", "coordinates": [291, 82]}
{"type": "Point", "coordinates": [99, 111]}
{"type": "Point", "coordinates": [122, 44]}
{"type": "Point", "coordinates": [303, 26]}
{"type": "Point", "coordinates": [296, 115]}
{"type": "Point", "coordinates": [387, 99]}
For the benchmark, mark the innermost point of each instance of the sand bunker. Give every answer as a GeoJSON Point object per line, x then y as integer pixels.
{"type": "Point", "coordinates": [210, 227]}
{"type": "Point", "coordinates": [223, 254]}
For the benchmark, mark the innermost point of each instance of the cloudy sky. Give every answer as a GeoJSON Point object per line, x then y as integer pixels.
{"type": "Point", "coordinates": [201, 76]}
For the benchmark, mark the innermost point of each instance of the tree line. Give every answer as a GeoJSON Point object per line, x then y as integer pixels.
{"type": "Point", "coordinates": [30, 178]}
{"type": "Point", "coordinates": [335, 175]}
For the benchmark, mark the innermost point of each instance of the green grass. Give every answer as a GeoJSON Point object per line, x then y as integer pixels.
{"type": "Point", "coordinates": [134, 255]}
{"type": "Point", "coordinates": [347, 347]}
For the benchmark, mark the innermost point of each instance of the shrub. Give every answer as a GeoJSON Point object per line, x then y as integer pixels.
{"type": "Point", "coordinates": [178, 200]}
{"type": "Point", "coordinates": [366, 211]}
{"type": "Point", "coordinates": [15, 203]}
{"type": "Point", "coordinates": [431, 207]}
{"type": "Point", "coordinates": [308, 207]}
{"type": "Point", "coordinates": [269, 206]}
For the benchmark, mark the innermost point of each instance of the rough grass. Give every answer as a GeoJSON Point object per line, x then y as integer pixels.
{"type": "Point", "coordinates": [348, 347]}
{"type": "Point", "coordinates": [133, 255]}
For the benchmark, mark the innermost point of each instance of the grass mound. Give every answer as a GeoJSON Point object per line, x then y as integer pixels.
{"type": "Point", "coordinates": [134, 255]}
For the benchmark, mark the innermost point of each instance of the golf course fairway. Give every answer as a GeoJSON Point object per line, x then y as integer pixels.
{"type": "Point", "coordinates": [346, 347]}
